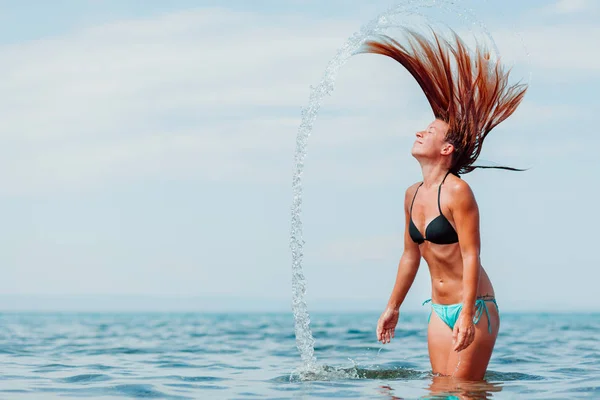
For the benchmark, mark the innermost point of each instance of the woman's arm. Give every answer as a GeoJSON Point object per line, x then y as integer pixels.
{"type": "Point", "coordinates": [407, 270]}
{"type": "Point", "coordinates": [410, 260]}
{"type": "Point", "coordinates": [466, 218]}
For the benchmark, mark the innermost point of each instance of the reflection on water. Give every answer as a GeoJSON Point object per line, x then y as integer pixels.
{"type": "Point", "coordinates": [447, 387]}
{"type": "Point", "coordinates": [387, 390]}
{"type": "Point", "coordinates": [463, 389]}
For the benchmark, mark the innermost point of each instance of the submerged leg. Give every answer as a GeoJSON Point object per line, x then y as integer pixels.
{"type": "Point", "coordinates": [439, 344]}
{"type": "Point", "coordinates": [472, 362]}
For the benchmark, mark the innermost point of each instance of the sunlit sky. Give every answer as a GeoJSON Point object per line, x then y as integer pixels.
{"type": "Point", "coordinates": [147, 157]}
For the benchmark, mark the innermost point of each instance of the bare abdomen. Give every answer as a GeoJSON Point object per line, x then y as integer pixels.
{"type": "Point", "coordinates": [446, 270]}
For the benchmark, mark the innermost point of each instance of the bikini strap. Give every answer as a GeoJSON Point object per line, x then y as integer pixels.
{"type": "Point", "coordinates": [480, 307]}
{"type": "Point", "coordinates": [430, 311]}
{"type": "Point", "coordinates": [413, 200]}
{"type": "Point", "coordinates": [440, 192]}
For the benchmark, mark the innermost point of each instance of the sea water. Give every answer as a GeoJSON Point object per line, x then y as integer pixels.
{"type": "Point", "coordinates": [250, 356]}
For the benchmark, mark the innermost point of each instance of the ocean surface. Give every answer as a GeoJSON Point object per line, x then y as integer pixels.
{"type": "Point", "coordinates": [250, 356]}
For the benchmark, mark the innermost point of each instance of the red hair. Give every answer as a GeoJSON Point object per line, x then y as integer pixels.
{"type": "Point", "coordinates": [469, 92]}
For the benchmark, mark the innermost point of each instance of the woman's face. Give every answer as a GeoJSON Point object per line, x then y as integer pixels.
{"type": "Point", "coordinates": [431, 142]}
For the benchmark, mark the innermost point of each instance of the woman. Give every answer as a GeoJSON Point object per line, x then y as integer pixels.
{"type": "Point", "coordinates": [469, 95]}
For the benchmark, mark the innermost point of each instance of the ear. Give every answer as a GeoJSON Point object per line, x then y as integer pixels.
{"type": "Point", "coordinates": [447, 149]}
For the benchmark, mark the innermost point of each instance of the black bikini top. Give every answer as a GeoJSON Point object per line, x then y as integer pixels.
{"type": "Point", "coordinates": [439, 231]}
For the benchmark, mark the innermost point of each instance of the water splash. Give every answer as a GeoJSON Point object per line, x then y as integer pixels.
{"type": "Point", "coordinates": [356, 372]}
{"type": "Point", "coordinates": [387, 20]}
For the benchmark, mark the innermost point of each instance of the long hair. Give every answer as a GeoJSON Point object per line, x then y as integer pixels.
{"type": "Point", "coordinates": [467, 91]}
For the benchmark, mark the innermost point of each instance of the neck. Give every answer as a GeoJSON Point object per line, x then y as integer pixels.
{"type": "Point", "coordinates": [433, 175]}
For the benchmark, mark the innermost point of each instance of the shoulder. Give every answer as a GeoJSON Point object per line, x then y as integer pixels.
{"type": "Point", "coordinates": [411, 190]}
{"type": "Point", "coordinates": [460, 192]}
{"type": "Point", "coordinates": [457, 186]}
{"type": "Point", "coordinates": [410, 194]}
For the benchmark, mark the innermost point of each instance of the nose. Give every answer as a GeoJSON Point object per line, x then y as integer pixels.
{"type": "Point", "coordinates": [419, 134]}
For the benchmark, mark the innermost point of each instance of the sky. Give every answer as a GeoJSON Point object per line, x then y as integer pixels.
{"type": "Point", "coordinates": [147, 156]}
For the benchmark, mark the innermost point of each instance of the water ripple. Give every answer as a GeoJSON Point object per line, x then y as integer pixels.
{"type": "Point", "coordinates": [85, 378]}
{"type": "Point", "coordinates": [165, 363]}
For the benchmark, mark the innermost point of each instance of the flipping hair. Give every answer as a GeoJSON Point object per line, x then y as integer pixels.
{"type": "Point", "coordinates": [467, 91]}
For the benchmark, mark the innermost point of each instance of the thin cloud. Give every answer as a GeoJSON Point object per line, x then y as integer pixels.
{"type": "Point", "coordinates": [571, 6]}
{"type": "Point", "coordinates": [179, 95]}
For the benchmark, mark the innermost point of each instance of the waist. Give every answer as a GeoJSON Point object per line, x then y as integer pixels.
{"type": "Point", "coordinates": [484, 298]}
{"type": "Point", "coordinates": [449, 288]}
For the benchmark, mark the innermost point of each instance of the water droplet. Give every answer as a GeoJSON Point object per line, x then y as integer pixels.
{"type": "Point", "coordinates": [394, 17]}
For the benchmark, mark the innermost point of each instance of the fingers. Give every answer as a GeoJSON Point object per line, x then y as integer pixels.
{"type": "Point", "coordinates": [380, 332]}
{"type": "Point", "coordinates": [458, 342]}
{"type": "Point", "coordinates": [385, 335]}
{"type": "Point", "coordinates": [386, 326]}
{"type": "Point", "coordinates": [390, 334]}
{"type": "Point", "coordinates": [465, 338]}
{"type": "Point", "coordinates": [468, 339]}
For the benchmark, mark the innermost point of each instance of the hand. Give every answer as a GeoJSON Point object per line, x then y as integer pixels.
{"type": "Point", "coordinates": [386, 326]}
{"type": "Point", "coordinates": [464, 332]}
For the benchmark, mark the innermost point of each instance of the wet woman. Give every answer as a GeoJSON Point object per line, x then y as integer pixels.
{"type": "Point", "coordinates": [469, 95]}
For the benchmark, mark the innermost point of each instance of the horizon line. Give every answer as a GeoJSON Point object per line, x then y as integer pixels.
{"type": "Point", "coordinates": [147, 303]}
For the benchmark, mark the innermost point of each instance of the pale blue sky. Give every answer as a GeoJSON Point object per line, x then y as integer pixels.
{"type": "Point", "coordinates": [147, 157]}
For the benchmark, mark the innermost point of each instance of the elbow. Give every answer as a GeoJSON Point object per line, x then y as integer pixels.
{"type": "Point", "coordinates": [471, 258]}
{"type": "Point", "coordinates": [411, 259]}
{"type": "Point", "coordinates": [470, 253]}
{"type": "Point", "coordinates": [471, 262]}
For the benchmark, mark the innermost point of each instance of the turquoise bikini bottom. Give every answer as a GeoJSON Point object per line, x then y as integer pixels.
{"type": "Point", "coordinates": [449, 313]}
